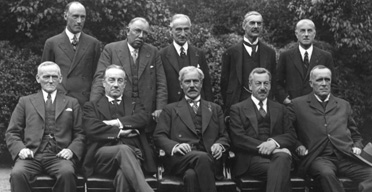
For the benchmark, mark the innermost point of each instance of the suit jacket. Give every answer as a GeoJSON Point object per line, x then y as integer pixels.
{"type": "Point", "coordinates": [244, 131]}
{"type": "Point", "coordinates": [291, 80]}
{"type": "Point", "coordinates": [315, 127]}
{"type": "Point", "coordinates": [171, 68]}
{"type": "Point", "coordinates": [27, 125]}
{"type": "Point", "coordinates": [78, 67]}
{"type": "Point", "coordinates": [175, 125]}
{"type": "Point", "coordinates": [99, 134]}
{"type": "Point", "coordinates": [232, 67]}
{"type": "Point", "coordinates": [152, 83]}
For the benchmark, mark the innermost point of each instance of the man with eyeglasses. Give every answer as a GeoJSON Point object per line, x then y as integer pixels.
{"type": "Point", "coordinates": [146, 80]}
{"type": "Point", "coordinates": [181, 54]}
{"type": "Point", "coordinates": [295, 64]}
{"type": "Point", "coordinates": [45, 135]}
{"type": "Point", "coordinates": [262, 135]}
{"type": "Point", "coordinates": [239, 60]}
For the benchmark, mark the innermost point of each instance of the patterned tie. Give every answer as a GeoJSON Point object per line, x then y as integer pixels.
{"type": "Point", "coordinates": [135, 55]}
{"type": "Point", "coordinates": [74, 42]}
{"type": "Point", "coordinates": [261, 110]}
{"type": "Point", "coordinates": [306, 61]}
{"type": "Point", "coordinates": [183, 54]}
{"type": "Point", "coordinates": [194, 105]}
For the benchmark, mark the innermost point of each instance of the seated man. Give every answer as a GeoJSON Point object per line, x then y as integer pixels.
{"type": "Point", "coordinates": [262, 135]}
{"type": "Point", "coordinates": [45, 134]}
{"type": "Point", "coordinates": [192, 134]}
{"type": "Point", "coordinates": [116, 139]}
{"type": "Point", "coordinates": [328, 136]}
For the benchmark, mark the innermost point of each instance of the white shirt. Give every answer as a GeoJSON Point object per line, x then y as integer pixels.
{"type": "Point", "coordinates": [178, 47]}
{"type": "Point", "coordinates": [196, 99]}
{"type": "Point", "coordinates": [309, 52]}
{"type": "Point", "coordinates": [256, 102]}
{"type": "Point", "coordinates": [53, 95]}
{"type": "Point", "coordinates": [248, 48]}
{"type": "Point", "coordinates": [131, 49]}
{"type": "Point", "coordinates": [71, 35]}
{"type": "Point", "coordinates": [325, 100]}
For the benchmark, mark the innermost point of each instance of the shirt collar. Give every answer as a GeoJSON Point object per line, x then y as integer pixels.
{"type": "Point", "coordinates": [110, 99]}
{"type": "Point", "coordinates": [131, 49]}
{"type": "Point", "coordinates": [71, 35]}
{"type": "Point", "coordinates": [197, 99]}
{"type": "Point", "coordinates": [309, 51]}
{"type": "Point", "coordinates": [325, 100]}
{"type": "Point", "coordinates": [53, 95]}
{"type": "Point", "coordinates": [252, 43]}
{"type": "Point", "coordinates": [256, 102]}
{"type": "Point", "coordinates": [178, 47]}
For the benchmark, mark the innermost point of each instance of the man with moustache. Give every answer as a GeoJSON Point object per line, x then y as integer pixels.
{"type": "Point", "coordinates": [181, 54]}
{"type": "Point", "coordinates": [192, 134]}
{"type": "Point", "coordinates": [115, 128]}
{"type": "Point", "coordinates": [45, 135]}
{"type": "Point", "coordinates": [75, 52]}
{"type": "Point", "coordinates": [328, 138]}
{"type": "Point", "coordinates": [146, 82]}
{"type": "Point", "coordinates": [262, 135]}
{"type": "Point", "coordinates": [239, 60]}
{"type": "Point", "coordinates": [295, 64]}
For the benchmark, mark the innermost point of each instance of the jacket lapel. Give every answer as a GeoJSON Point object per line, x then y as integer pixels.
{"type": "Point", "coordinates": [172, 57]}
{"type": "Point", "coordinates": [263, 54]}
{"type": "Point", "coordinates": [122, 52]}
{"type": "Point", "coordinates": [128, 105]}
{"type": "Point", "coordinates": [184, 113]}
{"type": "Point", "coordinates": [194, 56]}
{"type": "Point", "coordinates": [239, 60]}
{"type": "Point", "coordinates": [273, 112]}
{"type": "Point", "coordinates": [60, 103]}
{"type": "Point", "coordinates": [65, 45]}
{"type": "Point", "coordinates": [251, 114]}
{"type": "Point", "coordinates": [314, 60]}
{"type": "Point", "coordinates": [103, 107]}
{"type": "Point", "coordinates": [206, 110]}
{"type": "Point", "coordinates": [80, 51]}
{"type": "Point", "coordinates": [332, 103]}
{"type": "Point", "coordinates": [314, 103]}
{"type": "Point", "coordinates": [144, 59]}
{"type": "Point", "coordinates": [297, 60]}
{"type": "Point", "coordinates": [39, 104]}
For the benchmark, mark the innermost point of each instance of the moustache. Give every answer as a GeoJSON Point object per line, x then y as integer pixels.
{"type": "Point", "coordinates": [262, 92]}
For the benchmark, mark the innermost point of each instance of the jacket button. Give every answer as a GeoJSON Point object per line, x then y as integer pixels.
{"type": "Point", "coordinates": [179, 93]}
{"type": "Point", "coordinates": [179, 135]}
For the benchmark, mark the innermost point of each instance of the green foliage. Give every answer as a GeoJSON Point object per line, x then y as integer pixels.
{"type": "Point", "coordinates": [17, 72]}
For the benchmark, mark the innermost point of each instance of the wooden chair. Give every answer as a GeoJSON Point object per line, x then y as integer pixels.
{"type": "Point", "coordinates": [348, 184]}
{"type": "Point", "coordinates": [44, 183]}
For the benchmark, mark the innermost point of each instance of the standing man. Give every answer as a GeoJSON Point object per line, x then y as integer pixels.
{"type": "Point", "coordinates": [146, 80]}
{"type": "Point", "coordinates": [75, 52]}
{"type": "Point", "coordinates": [295, 64]}
{"type": "Point", "coordinates": [45, 135]}
{"type": "Point", "coordinates": [239, 60]}
{"type": "Point", "coordinates": [262, 135]}
{"type": "Point", "coordinates": [328, 138]}
{"type": "Point", "coordinates": [192, 134]}
{"type": "Point", "coordinates": [181, 54]}
{"type": "Point", "coordinates": [117, 144]}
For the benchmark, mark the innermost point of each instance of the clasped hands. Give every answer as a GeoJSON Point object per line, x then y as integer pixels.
{"type": "Point", "coordinates": [26, 153]}
{"type": "Point", "coordinates": [269, 147]}
{"type": "Point", "coordinates": [185, 148]}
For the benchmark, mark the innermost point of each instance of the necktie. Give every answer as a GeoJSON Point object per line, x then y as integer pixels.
{"type": "Point", "coordinates": [135, 55]}
{"type": "Point", "coordinates": [74, 42]}
{"type": "Point", "coordinates": [194, 105]}
{"type": "Point", "coordinates": [306, 60]}
{"type": "Point", "coordinates": [261, 110]}
{"type": "Point", "coordinates": [48, 104]}
{"type": "Point", "coordinates": [183, 54]}
{"type": "Point", "coordinates": [254, 47]}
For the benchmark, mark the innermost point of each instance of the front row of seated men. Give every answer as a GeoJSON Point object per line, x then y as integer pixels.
{"type": "Point", "coordinates": [46, 134]}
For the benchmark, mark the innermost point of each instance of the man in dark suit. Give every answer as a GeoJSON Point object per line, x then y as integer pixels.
{"type": "Point", "coordinates": [328, 138]}
{"type": "Point", "coordinates": [262, 135]}
{"type": "Point", "coordinates": [295, 64]}
{"type": "Point", "coordinates": [117, 144]}
{"type": "Point", "coordinates": [181, 54]}
{"type": "Point", "coordinates": [45, 135]}
{"type": "Point", "coordinates": [192, 134]}
{"type": "Point", "coordinates": [239, 60]}
{"type": "Point", "coordinates": [146, 80]}
{"type": "Point", "coordinates": [75, 52]}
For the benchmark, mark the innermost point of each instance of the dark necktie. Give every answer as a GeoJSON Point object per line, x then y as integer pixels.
{"type": "Point", "coordinates": [306, 61]}
{"type": "Point", "coordinates": [48, 104]}
{"type": "Point", "coordinates": [183, 54]}
{"type": "Point", "coordinates": [261, 110]}
{"type": "Point", "coordinates": [194, 105]}
{"type": "Point", "coordinates": [74, 42]}
{"type": "Point", "coordinates": [251, 46]}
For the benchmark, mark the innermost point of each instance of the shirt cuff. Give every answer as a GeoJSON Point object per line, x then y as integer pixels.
{"type": "Point", "coordinates": [120, 124]}
{"type": "Point", "coordinates": [223, 148]}
{"type": "Point", "coordinates": [276, 143]}
{"type": "Point", "coordinates": [174, 148]}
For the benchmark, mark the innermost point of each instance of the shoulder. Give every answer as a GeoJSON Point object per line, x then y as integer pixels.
{"type": "Point", "coordinates": [90, 38]}
{"type": "Point", "coordinates": [323, 52]}
{"type": "Point", "coordinates": [68, 98]}
{"type": "Point", "coordinates": [302, 99]}
{"type": "Point", "coordinates": [57, 37]}
{"type": "Point", "coordinates": [166, 49]}
{"type": "Point", "coordinates": [241, 104]}
{"type": "Point", "coordinates": [234, 47]}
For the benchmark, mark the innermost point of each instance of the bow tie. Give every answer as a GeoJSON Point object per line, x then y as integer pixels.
{"type": "Point", "coordinates": [195, 102]}
{"type": "Point", "coordinates": [249, 45]}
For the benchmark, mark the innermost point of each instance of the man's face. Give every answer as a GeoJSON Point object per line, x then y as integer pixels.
{"type": "Point", "coordinates": [320, 81]}
{"type": "Point", "coordinates": [191, 84]}
{"type": "Point", "coordinates": [181, 30]}
{"type": "Point", "coordinates": [253, 27]}
{"type": "Point", "coordinates": [75, 18]}
{"type": "Point", "coordinates": [137, 33]}
{"type": "Point", "coordinates": [114, 82]}
{"type": "Point", "coordinates": [260, 86]}
{"type": "Point", "coordinates": [305, 33]}
{"type": "Point", "coordinates": [49, 78]}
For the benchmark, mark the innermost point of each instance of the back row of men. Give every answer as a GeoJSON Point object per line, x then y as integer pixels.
{"type": "Point", "coordinates": [129, 99]}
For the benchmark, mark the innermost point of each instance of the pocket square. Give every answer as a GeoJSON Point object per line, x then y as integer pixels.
{"type": "Point", "coordinates": [68, 109]}
{"type": "Point", "coordinates": [151, 66]}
